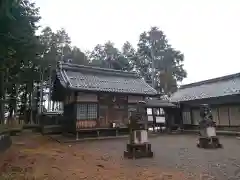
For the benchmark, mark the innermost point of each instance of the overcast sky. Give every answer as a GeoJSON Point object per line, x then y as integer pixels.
{"type": "Point", "coordinates": [206, 31]}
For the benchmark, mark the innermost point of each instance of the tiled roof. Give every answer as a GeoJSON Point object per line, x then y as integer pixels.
{"type": "Point", "coordinates": [88, 78]}
{"type": "Point", "coordinates": [217, 87]}
{"type": "Point", "coordinates": [158, 103]}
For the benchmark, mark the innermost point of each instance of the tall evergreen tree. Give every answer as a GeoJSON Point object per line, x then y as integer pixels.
{"type": "Point", "coordinates": [167, 61]}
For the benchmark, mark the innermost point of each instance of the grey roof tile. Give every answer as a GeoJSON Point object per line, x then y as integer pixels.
{"type": "Point", "coordinates": [89, 78]}
{"type": "Point", "coordinates": [217, 87]}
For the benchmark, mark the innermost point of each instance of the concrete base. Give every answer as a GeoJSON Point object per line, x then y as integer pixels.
{"type": "Point", "coordinates": [227, 133]}
{"type": "Point", "coordinates": [209, 142]}
{"type": "Point", "coordinates": [135, 151]}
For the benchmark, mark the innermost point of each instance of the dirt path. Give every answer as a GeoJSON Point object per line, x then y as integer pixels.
{"type": "Point", "coordinates": [37, 157]}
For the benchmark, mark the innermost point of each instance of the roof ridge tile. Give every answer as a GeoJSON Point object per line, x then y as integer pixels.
{"type": "Point", "coordinates": [212, 80]}
{"type": "Point", "coordinates": [77, 67]}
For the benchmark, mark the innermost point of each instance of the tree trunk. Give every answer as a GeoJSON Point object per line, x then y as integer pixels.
{"type": "Point", "coordinates": [3, 83]}
{"type": "Point", "coordinates": [10, 116]}
{"type": "Point", "coordinates": [30, 108]}
{"type": "Point", "coordinates": [13, 103]}
{"type": "Point", "coordinates": [16, 102]}
{"type": "Point", "coordinates": [2, 97]}
{"type": "Point", "coordinates": [30, 100]}
{"type": "Point", "coordinates": [24, 105]}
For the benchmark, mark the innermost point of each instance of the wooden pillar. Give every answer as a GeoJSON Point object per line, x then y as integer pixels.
{"type": "Point", "coordinates": [180, 113]}
{"type": "Point", "coordinates": [167, 116]}
{"type": "Point", "coordinates": [218, 113]}
{"type": "Point", "coordinates": [98, 111]}
{"type": "Point", "coordinates": [191, 116]}
{"type": "Point", "coordinates": [154, 120]}
{"type": "Point", "coordinates": [229, 119]}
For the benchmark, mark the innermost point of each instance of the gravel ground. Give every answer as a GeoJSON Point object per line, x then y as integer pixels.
{"type": "Point", "coordinates": [180, 152]}
{"type": "Point", "coordinates": [176, 157]}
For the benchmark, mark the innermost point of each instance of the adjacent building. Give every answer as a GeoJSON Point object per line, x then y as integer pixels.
{"type": "Point", "coordinates": [161, 113]}
{"type": "Point", "coordinates": [222, 93]}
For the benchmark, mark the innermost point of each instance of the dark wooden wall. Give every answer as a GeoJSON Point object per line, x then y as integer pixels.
{"type": "Point", "coordinates": [225, 110]}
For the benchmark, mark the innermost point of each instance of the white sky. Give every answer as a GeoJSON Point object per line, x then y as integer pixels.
{"type": "Point", "coordinates": [206, 31]}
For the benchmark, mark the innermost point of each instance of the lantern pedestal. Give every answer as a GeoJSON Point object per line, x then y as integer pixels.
{"type": "Point", "coordinates": [135, 151]}
{"type": "Point", "coordinates": [208, 137]}
{"type": "Point", "coordinates": [138, 146]}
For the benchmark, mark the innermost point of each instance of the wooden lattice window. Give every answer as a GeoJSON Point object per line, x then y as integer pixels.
{"type": "Point", "coordinates": [92, 111]}
{"type": "Point", "coordinates": [87, 111]}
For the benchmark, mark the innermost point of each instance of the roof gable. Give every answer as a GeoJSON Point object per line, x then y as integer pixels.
{"type": "Point", "coordinates": [88, 78]}
{"type": "Point", "coordinates": [217, 87]}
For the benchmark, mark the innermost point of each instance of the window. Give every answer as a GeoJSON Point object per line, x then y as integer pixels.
{"type": "Point", "coordinates": [149, 111]}
{"type": "Point", "coordinates": [162, 111]}
{"type": "Point", "coordinates": [158, 111]}
{"type": "Point", "coordinates": [87, 111]}
{"type": "Point", "coordinates": [92, 111]}
{"type": "Point", "coordinates": [82, 111]}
